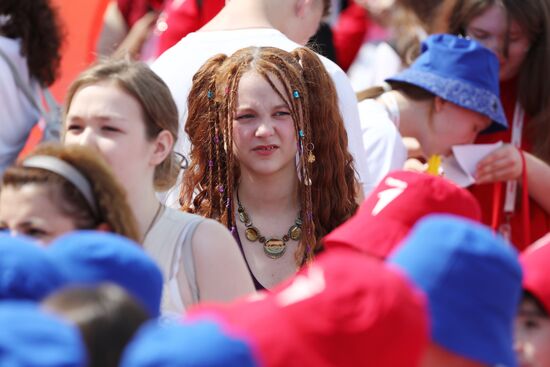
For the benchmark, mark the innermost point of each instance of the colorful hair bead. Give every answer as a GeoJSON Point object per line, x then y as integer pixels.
{"type": "Point", "coordinates": [220, 188]}
{"type": "Point", "coordinates": [210, 94]}
{"type": "Point", "coordinates": [296, 94]}
{"type": "Point", "coordinates": [301, 133]}
{"type": "Point", "coordinates": [210, 163]}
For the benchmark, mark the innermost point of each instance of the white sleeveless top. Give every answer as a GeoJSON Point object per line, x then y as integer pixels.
{"type": "Point", "coordinates": [169, 244]}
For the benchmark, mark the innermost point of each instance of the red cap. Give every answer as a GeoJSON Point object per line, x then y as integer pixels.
{"type": "Point", "coordinates": [397, 203]}
{"type": "Point", "coordinates": [345, 309]}
{"type": "Point", "coordinates": [536, 272]}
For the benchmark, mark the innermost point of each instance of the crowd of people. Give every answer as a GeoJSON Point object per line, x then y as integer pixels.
{"type": "Point", "coordinates": [221, 194]}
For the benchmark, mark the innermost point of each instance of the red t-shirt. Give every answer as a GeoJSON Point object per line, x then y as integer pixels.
{"type": "Point", "coordinates": [539, 220]}
{"type": "Point", "coordinates": [185, 17]}
{"type": "Point", "coordinates": [133, 10]}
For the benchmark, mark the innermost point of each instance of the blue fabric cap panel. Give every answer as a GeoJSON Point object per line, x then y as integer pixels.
{"type": "Point", "coordinates": [472, 279]}
{"type": "Point", "coordinates": [192, 344]}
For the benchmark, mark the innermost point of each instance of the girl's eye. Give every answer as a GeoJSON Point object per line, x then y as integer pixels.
{"type": "Point", "coordinates": [110, 128]}
{"type": "Point", "coordinates": [282, 113]}
{"type": "Point", "coordinates": [35, 232]}
{"type": "Point", "coordinates": [74, 128]}
{"type": "Point", "coordinates": [244, 116]}
{"type": "Point", "coordinates": [478, 35]}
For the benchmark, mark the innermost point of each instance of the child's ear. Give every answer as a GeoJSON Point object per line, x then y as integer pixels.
{"type": "Point", "coordinates": [164, 142]}
{"type": "Point", "coordinates": [439, 103]}
{"type": "Point", "coordinates": [301, 7]}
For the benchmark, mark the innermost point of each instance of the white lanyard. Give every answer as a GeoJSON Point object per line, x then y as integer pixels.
{"type": "Point", "coordinates": [512, 185]}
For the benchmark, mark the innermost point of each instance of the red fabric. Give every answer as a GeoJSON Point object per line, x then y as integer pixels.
{"type": "Point", "coordinates": [345, 309]}
{"type": "Point", "coordinates": [184, 19]}
{"type": "Point", "coordinates": [536, 272]}
{"type": "Point", "coordinates": [539, 219]}
{"type": "Point", "coordinates": [133, 10]}
{"type": "Point", "coordinates": [377, 229]}
{"type": "Point", "coordinates": [349, 33]}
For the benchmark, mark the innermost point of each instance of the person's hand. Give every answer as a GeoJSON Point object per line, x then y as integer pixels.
{"type": "Point", "coordinates": [501, 165]}
{"type": "Point", "coordinates": [379, 10]}
{"type": "Point", "coordinates": [136, 37]}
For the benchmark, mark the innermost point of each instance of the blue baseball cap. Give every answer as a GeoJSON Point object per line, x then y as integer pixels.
{"type": "Point", "coordinates": [26, 271]}
{"type": "Point", "coordinates": [90, 258]}
{"type": "Point", "coordinates": [472, 279]}
{"type": "Point", "coordinates": [30, 337]}
{"type": "Point", "coordinates": [461, 71]}
{"type": "Point", "coordinates": [192, 344]}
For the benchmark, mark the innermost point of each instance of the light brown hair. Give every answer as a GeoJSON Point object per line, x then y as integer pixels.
{"type": "Point", "coordinates": [158, 107]}
{"type": "Point", "coordinates": [533, 16]}
{"type": "Point", "coordinates": [110, 197]}
{"type": "Point", "coordinates": [311, 98]}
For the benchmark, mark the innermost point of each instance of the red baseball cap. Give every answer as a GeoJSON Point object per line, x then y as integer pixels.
{"type": "Point", "coordinates": [395, 205]}
{"type": "Point", "coordinates": [345, 309]}
{"type": "Point", "coordinates": [536, 272]}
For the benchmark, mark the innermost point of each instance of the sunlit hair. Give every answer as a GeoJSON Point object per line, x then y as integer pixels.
{"type": "Point", "coordinates": [35, 23]}
{"type": "Point", "coordinates": [410, 90]}
{"type": "Point", "coordinates": [158, 107]}
{"type": "Point", "coordinates": [533, 16]}
{"type": "Point", "coordinates": [209, 183]}
{"type": "Point", "coordinates": [109, 196]}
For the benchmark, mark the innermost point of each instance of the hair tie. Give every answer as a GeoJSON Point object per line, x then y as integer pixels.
{"type": "Point", "coordinates": [68, 172]}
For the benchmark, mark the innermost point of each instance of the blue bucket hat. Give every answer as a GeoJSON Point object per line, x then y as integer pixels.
{"type": "Point", "coordinates": [472, 279]}
{"type": "Point", "coordinates": [461, 71]}
{"type": "Point", "coordinates": [192, 344]}
{"type": "Point", "coordinates": [90, 258]}
{"type": "Point", "coordinates": [30, 337]}
{"type": "Point", "coordinates": [26, 271]}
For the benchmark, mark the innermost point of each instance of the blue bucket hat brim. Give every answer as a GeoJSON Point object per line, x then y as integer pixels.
{"type": "Point", "coordinates": [458, 92]}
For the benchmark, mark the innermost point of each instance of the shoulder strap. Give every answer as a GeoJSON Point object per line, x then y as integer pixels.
{"type": "Point", "coordinates": [51, 103]}
{"type": "Point", "coordinates": [186, 249]}
{"type": "Point", "coordinates": [24, 87]}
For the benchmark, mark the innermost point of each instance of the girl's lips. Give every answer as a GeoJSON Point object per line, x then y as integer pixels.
{"type": "Point", "coordinates": [265, 149]}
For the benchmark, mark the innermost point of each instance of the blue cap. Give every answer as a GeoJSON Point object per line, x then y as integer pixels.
{"type": "Point", "coordinates": [461, 71]}
{"type": "Point", "coordinates": [89, 258]}
{"type": "Point", "coordinates": [26, 271]}
{"type": "Point", "coordinates": [192, 344]}
{"type": "Point", "coordinates": [472, 279]}
{"type": "Point", "coordinates": [30, 337]}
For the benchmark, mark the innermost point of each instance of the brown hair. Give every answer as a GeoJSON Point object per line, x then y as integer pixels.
{"type": "Point", "coordinates": [158, 107]}
{"type": "Point", "coordinates": [110, 197]}
{"type": "Point", "coordinates": [326, 7]}
{"type": "Point", "coordinates": [411, 91]}
{"type": "Point", "coordinates": [36, 24]}
{"type": "Point", "coordinates": [329, 199]}
{"type": "Point", "coordinates": [533, 16]}
{"type": "Point", "coordinates": [106, 316]}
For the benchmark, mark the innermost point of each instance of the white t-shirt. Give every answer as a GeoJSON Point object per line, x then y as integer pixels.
{"type": "Point", "coordinates": [17, 115]}
{"type": "Point", "coordinates": [178, 65]}
{"type": "Point", "coordinates": [383, 145]}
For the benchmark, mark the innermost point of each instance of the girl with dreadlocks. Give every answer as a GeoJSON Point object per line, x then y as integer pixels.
{"type": "Point", "coordinates": [269, 156]}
